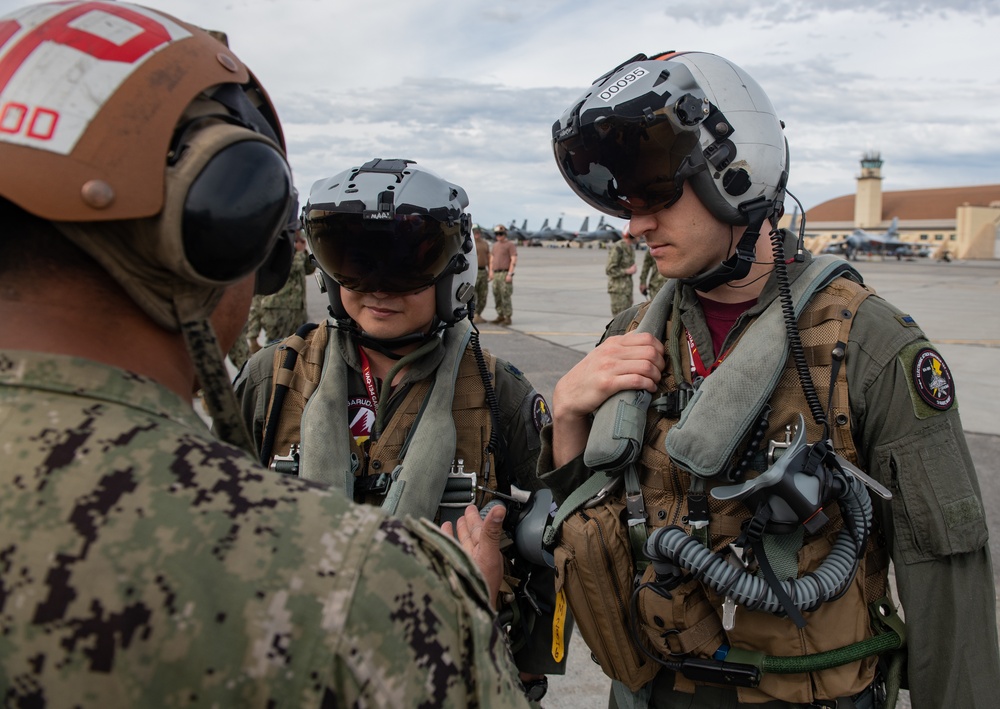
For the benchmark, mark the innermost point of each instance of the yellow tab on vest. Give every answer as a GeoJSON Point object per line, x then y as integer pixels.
{"type": "Point", "coordinates": [559, 626]}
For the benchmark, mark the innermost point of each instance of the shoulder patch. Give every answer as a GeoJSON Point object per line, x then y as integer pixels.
{"type": "Point", "coordinates": [540, 414]}
{"type": "Point", "coordinates": [906, 320]}
{"type": "Point", "coordinates": [932, 380]}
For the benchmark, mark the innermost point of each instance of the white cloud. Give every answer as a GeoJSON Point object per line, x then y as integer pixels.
{"type": "Point", "coordinates": [471, 89]}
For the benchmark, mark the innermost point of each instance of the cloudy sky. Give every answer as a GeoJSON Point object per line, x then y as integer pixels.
{"type": "Point", "coordinates": [470, 88]}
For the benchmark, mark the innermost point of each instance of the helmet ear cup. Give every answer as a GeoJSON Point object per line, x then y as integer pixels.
{"type": "Point", "coordinates": [458, 285]}
{"type": "Point", "coordinates": [229, 193]}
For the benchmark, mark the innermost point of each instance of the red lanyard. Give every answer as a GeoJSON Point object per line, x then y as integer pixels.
{"type": "Point", "coordinates": [366, 373]}
{"type": "Point", "coordinates": [697, 365]}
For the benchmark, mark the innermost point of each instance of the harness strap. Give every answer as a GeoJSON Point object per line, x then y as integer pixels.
{"type": "Point", "coordinates": [282, 382]}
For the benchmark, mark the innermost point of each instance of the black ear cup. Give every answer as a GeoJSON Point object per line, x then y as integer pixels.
{"type": "Point", "coordinates": [235, 211]}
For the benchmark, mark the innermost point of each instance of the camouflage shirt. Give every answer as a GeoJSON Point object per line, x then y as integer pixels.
{"type": "Point", "coordinates": [621, 256]}
{"type": "Point", "coordinates": [292, 295]}
{"type": "Point", "coordinates": [145, 563]}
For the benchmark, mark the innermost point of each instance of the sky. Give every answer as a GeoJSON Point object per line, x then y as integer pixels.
{"type": "Point", "coordinates": [470, 88]}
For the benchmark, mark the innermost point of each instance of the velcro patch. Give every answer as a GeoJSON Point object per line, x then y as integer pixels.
{"type": "Point", "coordinates": [540, 414]}
{"type": "Point", "coordinates": [932, 380]}
{"type": "Point", "coordinates": [906, 320]}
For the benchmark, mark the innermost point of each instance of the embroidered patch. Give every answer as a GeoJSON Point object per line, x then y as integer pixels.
{"type": "Point", "coordinates": [513, 370]}
{"type": "Point", "coordinates": [932, 380]}
{"type": "Point", "coordinates": [540, 412]}
{"type": "Point", "coordinates": [906, 320]}
{"type": "Point", "coordinates": [361, 415]}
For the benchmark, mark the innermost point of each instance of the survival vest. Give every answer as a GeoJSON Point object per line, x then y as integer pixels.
{"type": "Point", "coordinates": [472, 465]}
{"type": "Point", "coordinates": [597, 569]}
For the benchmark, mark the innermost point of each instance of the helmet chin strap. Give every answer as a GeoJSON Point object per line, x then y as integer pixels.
{"type": "Point", "coordinates": [738, 265]}
{"type": "Point", "coordinates": [388, 345]}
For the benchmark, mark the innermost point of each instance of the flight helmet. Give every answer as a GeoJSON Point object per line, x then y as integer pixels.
{"type": "Point", "coordinates": [392, 226]}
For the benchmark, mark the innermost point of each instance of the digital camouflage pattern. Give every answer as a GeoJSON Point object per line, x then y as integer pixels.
{"type": "Point", "coordinates": [482, 274]}
{"type": "Point", "coordinates": [650, 276]}
{"type": "Point", "coordinates": [143, 562]}
{"type": "Point", "coordinates": [282, 313]}
{"type": "Point", "coordinates": [502, 292]}
{"type": "Point", "coordinates": [621, 256]}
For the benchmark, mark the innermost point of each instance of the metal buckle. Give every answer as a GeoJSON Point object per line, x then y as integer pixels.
{"type": "Point", "coordinates": [460, 488]}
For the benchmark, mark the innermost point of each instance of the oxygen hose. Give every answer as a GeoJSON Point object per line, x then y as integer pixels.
{"type": "Point", "coordinates": [673, 545]}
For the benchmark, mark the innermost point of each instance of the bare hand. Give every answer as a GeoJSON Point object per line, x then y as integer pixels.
{"type": "Point", "coordinates": [481, 539]}
{"type": "Point", "coordinates": [630, 270]}
{"type": "Point", "coordinates": [643, 288]}
{"type": "Point", "coordinates": [510, 277]}
{"type": "Point", "coordinates": [620, 363]}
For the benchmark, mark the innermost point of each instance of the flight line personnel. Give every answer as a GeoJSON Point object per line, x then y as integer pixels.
{"type": "Point", "coordinates": [146, 563]}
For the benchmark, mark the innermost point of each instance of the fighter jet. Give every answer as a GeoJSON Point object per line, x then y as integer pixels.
{"type": "Point", "coordinates": [603, 232]}
{"type": "Point", "coordinates": [883, 244]}
{"type": "Point", "coordinates": [556, 233]}
{"type": "Point", "coordinates": [516, 234]}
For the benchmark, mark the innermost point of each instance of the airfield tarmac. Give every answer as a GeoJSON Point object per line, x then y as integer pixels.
{"type": "Point", "coordinates": [561, 308]}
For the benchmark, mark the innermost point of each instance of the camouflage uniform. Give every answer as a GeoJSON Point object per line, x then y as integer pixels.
{"type": "Point", "coordinates": [655, 280]}
{"type": "Point", "coordinates": [282, 313]}
{"type": "Point", "coordinates": [145, 563]}
{"type": "Point", "coordinates": [523, 413]}
{"type": "Point", "coordinates": [240, 352]}
{"type": "Point", "coordinates": [482, 277]}
{"type": "Point", "coordinates": [621, 256]}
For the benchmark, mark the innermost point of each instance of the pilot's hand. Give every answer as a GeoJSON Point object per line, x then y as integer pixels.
{"type": "Point", "coordinates": [631, 361]}
{"type": "Point", "coordinates": [481, 539]}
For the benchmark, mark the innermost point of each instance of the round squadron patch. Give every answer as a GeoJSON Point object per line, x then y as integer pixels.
{"type": "Point", "coordinates": [540, 413]}
{"type": "Point", "coordinates": [932, 380]}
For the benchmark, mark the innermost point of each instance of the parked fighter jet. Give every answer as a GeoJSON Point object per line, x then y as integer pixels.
{"type": "Point", "coordinates": [884, 244]}
{"type": "Point", "coordinates": [547, 233]}
{"type": "Point", "coordinates": [603, 232]}
{"type": "Point", "coordinates": [518, 234]}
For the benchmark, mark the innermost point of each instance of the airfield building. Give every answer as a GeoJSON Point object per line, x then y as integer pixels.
{"type": "Point", "coordinates": [963, 220]}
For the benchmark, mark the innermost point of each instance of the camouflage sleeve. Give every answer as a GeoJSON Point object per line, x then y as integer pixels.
{"type": "Point", "coordinates": [617, 262]}
{"type": "Point", "coordinates": [420, 631]}
{"type": "Point", "coordinates": [648, 265]}
{"type": "Point", "coordinates": [905, 415]}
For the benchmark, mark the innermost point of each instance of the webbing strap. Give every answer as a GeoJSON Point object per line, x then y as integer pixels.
{"type": "Point", "coordinates": [577, 499]}
{"type": "Point", "coordinates": [884, 619]}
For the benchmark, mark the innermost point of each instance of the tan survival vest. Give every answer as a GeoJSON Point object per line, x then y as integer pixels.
{"type": "Point", "coordinates": [596, 569]}
{"type": "Point", "coordinates": [473, 424]}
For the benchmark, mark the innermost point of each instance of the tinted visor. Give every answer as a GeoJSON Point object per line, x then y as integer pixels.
{"type": "Point", "coordinates": [402, 254]}
{"type": "Point", "coordinates": [626, 166]}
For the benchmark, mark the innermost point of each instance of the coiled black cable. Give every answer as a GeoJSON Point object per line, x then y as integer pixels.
{"type": "Point", "coordinates": [493, 447]}
{"type": "Point", "coordinates": [792, 329]}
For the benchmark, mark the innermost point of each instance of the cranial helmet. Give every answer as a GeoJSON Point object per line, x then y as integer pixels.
{"type": "Point", "coordinates": [644, 129]}
{"type": "Point", "coordinates": [392, 226]}
{"type": "Point", "coordinates": [148, 143]}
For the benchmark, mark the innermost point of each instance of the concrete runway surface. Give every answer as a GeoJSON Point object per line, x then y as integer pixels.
{"type": "Point", "coordinates": [561, 308]}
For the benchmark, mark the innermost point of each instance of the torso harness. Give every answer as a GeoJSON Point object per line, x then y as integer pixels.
{"type": "Point", "coordinates": [307, 417]}
{"type": "Point", "coordinates": [727, 563]}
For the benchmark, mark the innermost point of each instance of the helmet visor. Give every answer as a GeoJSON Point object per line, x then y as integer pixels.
{"type": "Point", "coordinates": [626, 166]}
{"type": "Point", "coordinates": [401, 254]}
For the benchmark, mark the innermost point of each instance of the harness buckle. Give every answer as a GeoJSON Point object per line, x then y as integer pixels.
{"type": "Point", "coordinates": [460, 488]}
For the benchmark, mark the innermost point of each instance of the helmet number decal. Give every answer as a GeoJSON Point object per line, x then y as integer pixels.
{"type": "Point", "coordinates": [623, 82]}
{"type": "Point", "coordinates": [41, 105]}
